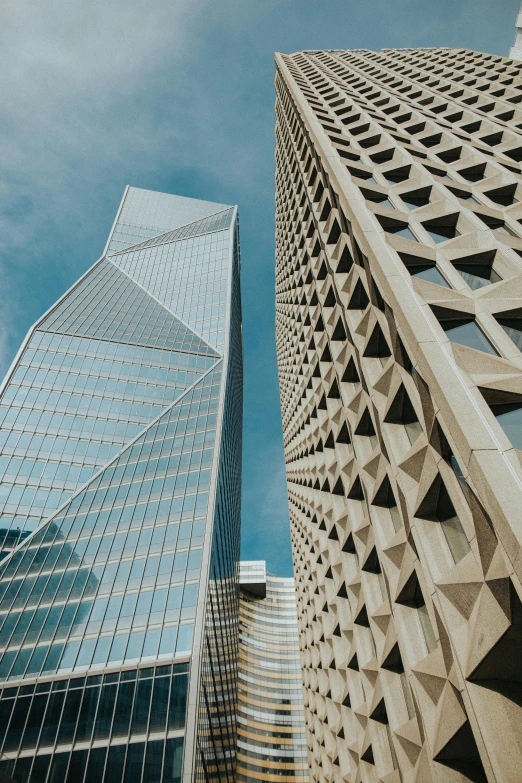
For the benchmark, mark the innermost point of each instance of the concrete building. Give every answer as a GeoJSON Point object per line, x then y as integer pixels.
{"type": "Point", "coordinates": [271, 732]}
{"type": "Point", "coordinates": [399, 338]}
{"type": "Point", "coordinates": [121, 472]}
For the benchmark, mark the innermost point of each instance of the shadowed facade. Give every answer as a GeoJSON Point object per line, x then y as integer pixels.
{"type": "Point", "coordinates": [399, 330]}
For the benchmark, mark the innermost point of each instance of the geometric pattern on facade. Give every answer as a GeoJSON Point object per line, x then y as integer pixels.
{"type": "Point", "coordinates": [214, 222]}
{"type": "Point", "coordinates": [399, 330]}
{"type": "Point", "coordinates": [271, 735]}
{"type": "Point", "coordinates": [128, 532]}
{"type": "Point", "coordinates": [112, 438]}
{"type": "Point", "coordinates": [189, 277]}
{"type": "Point", "coordinates": [146, 214]}
{"type": "Point", "coordinates": [108, 305]}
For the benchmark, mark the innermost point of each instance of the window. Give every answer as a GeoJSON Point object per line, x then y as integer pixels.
{"type": "Point", "coordinates": [417, 198]}
{"type": "Point", "coordinates": [462, 329]}
{"type": "Point", "coordinates": [397, 227]}
{"type": "Point", "coordinates": [398, 175]}
{"type": "Point", "coordinates": [423, 269]}
{"type": "Point", "coordinates": [442, 228]}
{"type": "Point", "coordinates": [377, 198]}
{"type": "Point", "coordinates": [507, 409]}
{"type": "Point", "coordinates": [474, 173]}
{"type": "Point", "coordinates": [477, 270]}
{"type": "Point", "coordinates": [505, 196]}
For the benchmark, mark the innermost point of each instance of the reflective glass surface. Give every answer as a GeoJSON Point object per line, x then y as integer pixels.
{"type": "Point", "coordinates": [120, 438]}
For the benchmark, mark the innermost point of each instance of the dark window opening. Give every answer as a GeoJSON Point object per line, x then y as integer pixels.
{"type": "Point", "coordinates": [385, 498]}
{"type": "Point", "coordinates": [401, 411]}
{"type": "Point", "coordinates": [431, 141]}
{"type": "Point", "coordinates": [397, 227]}
{"type": "Point", "coordinates": [450, 156]}
{"type": "Point", "coordinates": [442, 228]}
{"type": "Point", "coordinates": [417, 198]}
{"type": "Point", "coordinates": [477, 270]}
{"type": "Point", "coordinates": [463, 330]}
{"type": "Point", "coordinates": [361, 174]}
{"type": "Point", "coordinates": [505, 196]}
{"type": "Point", "coordinates": [511, 323]}
{"type": "Point", "coordinates": [377, 198]}
{"type": "Point", "coordinates": [437, 507]}
{"type": "Point", "coordinates": [377, 347]}
{"type": "Point", "coordinates": [383, 156]}
{"type": "Point", "coordinates": [474, 173]}
{"type": "Point", "coordinates": [400, 174]}
{"type": "Point", "coordinates": [462, 194]}
{"type": "Point", "coordinates": [423, 269]}
{"type": "Point", "coordinates": [507, 409]}
{"type": "Point", "coordinates": [372, 141]}
{"type": "Point", "coordinates": [411, 595]}
{"type": "Point", "coordinates": [493, 139]}
{"type": "Point", "coordinates": [359, 299]}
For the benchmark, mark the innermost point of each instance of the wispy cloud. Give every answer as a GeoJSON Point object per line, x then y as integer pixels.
{"type": "Point", "coordinates": [175, 95]}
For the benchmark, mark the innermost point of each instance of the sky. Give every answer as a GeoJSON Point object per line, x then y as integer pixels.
{"type": "Point", "coordinates": [177, 96]}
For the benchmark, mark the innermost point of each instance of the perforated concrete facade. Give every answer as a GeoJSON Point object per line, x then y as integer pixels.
{"type": "Point", "coordinates": [399, 330]}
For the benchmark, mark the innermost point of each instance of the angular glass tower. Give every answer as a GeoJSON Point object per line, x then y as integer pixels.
{"type": "Point", "coordinates": [120, 494]}
{"type": "Point", "coordinates": [271, 727]}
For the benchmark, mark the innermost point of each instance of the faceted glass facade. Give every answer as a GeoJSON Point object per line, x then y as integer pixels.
{"type": "Point", "coordinates": [116, 468]}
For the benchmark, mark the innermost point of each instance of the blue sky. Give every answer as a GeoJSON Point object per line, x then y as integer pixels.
{"type": "Point", "coordinates": [177, 95]}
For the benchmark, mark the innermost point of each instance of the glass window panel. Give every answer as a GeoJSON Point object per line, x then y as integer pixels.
{"type": "Point", "coordinates": [152, 639]}
{"type": "Point", "coordinates": [40, 768]}
{"type": "Point", "coordinates": [87, 714]}
{"type": "Point", "coordinates": [115, 764]}
{"type": "Point", "coordinates": [140, 714]}
{"type": "Point", "coordinates": [168, 641]}
{"type": "Point", "coordinates": [77, 766]}
{"type": "Point", "coordinates": [160, 702]}
{"type": "Point", "coordinates": [123, 710]}
{"type": "Point", "coordinates": [23, 769]}
{"type": "Point", "coordinates": [184, 640]}
{"type": "Point", "coordinates": [96, 765]}
{"type": "Point", "coordinates": [134, 762]}
{"type": "Point", "coordinates": [69, 716]}
{"type": "Point", "coordinates": [173, 760]}
{"type": "Point", "coordinates": [52, 718]}
{"type": "Point", "coordinates": [472, 336]}
{"type": "Point", "coordinates": [178, 701]}
{"type": "Point", "coordinates": [17, 724]}
{"type": "Point", "coordinates": [58, 769]}
{"type": "Point", "coordinates": [105, 712]}
{"type": "Point", "coordinates": [34, 721]}
{"type": "Point", "coordinates": [153, 762]}
{"type": "Point", "coordinates": [118, 648]}
{"type": "Point", "coordinates": [511, 423]}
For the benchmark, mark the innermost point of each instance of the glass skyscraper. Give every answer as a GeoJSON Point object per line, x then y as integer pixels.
{"type": "Point", "coordinates": [120, 470]}
{"type": "Point", "coordinates": [271, 742]}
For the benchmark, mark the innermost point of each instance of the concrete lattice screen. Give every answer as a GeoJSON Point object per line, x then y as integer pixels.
{"type": "Point", "coordinates": [399, 328]}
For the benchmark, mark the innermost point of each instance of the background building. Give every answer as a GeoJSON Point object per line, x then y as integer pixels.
{"type": "Point", "coordinates": [121, 432]}
{"type": "Point", "coordinates": [399, 331]}
{"type": "Point", "coordinates": [516, 50]}
{"type": "Point", "coordinates": [271, 732]}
